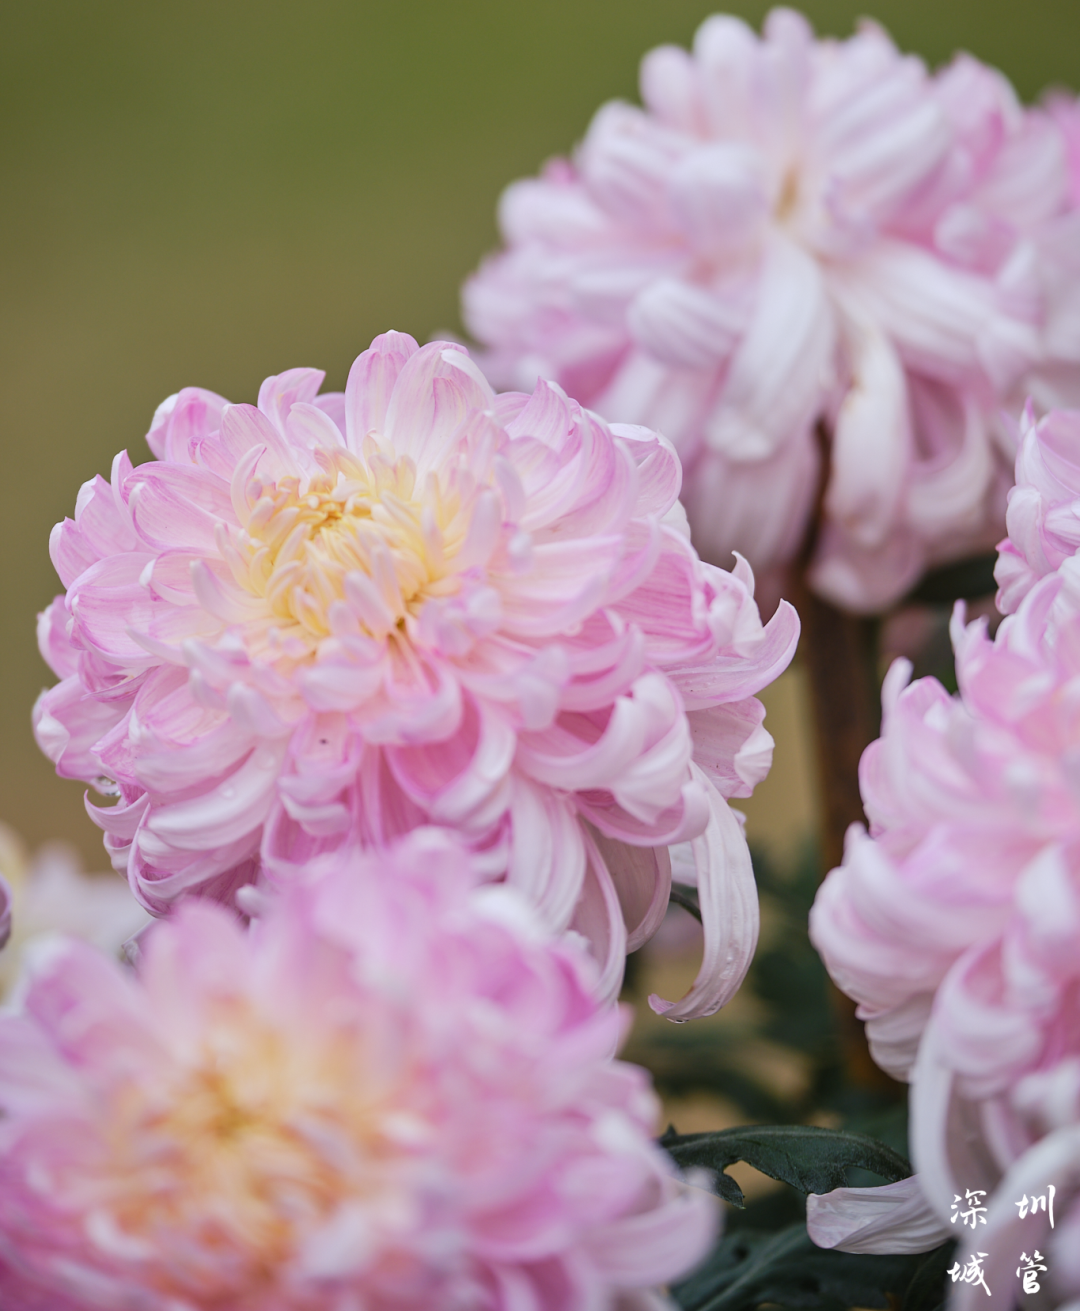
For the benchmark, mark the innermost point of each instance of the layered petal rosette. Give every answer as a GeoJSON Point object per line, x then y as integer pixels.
{"type": "Point", "coordinates": [394, 1091]}
{"type": "Point", "coordinates": [795, 232]}
{"type": "Point", "coordinates": [1043, 515]}
{"type": "Point", "coordinates": [319, 623]}
{"type": "Point", "coordinates": [955, 923]}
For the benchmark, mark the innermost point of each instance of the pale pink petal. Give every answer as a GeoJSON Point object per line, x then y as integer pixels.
{"type": "Point", "coordinates": [183, 420]}
{"type": "Point", "coordinates": [719, 196]}
{"type": "Point", "coordinates": [547, 857]}
{"type": "Point", "coordinates": [68, 722]}
{"type": "Point", "coordinates": [226, 813]}
{"type": "Point", "coordinates": [432, 395]}
{"type": "Point", "coordinates": [871, 442]}
{"type": "Point", "coordinates": [177, 506]}
{"type": "Point", "coordinates": [682, 325]}
{"type": "Point", "coordinates": [866, 580]}
{"type": "Point", "coordinates": [465, 781]}
{"type": "Point", "coordinates": [660, 1240]}
{"type": "Point", "coordinates": [642, 880]}
{"type": "Point", "coordinates": [894, 1219]}
{"type": "Point", "coordinates": [732, 746]}
{"type": "Point", "coordinates": [759, 509]}
{"type": "Point", "coordinates": [371, 384]}
{"type": "Point", "coordinates": [729, 912]}
{"type": "Point", "coordinates": [947, 496]}
{"type": "Point", "coordinates": [623, 162]}
{"type": "Point", "coordinates": [893, 1035]}
{"type": "Point", "coordinates": [668, 88]}
{"type": "Point", "coordinates": [598, 917]}
{"type": "Point", "coordinates": [70, 552]}
{"type": "Point", "coordinates": [774, 386]}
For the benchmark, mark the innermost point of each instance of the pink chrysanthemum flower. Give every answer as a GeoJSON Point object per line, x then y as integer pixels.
{"type": "Point", "coordinates": [956, 923]}
{"type": "Point", "coordinates": [1043, 516]}
{"type": "Point", "coordinates": [320, 623]}
{"type": "Point", "coordinates": [395, 1091]}
{"type": "Point", "coordinates": [793, 230]}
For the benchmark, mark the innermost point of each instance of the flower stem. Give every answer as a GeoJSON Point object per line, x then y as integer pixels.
{"type": "Point", "coordinates": [839, 653]}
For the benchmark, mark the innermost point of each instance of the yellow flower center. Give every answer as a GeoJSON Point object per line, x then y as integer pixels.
{"type": "Point", "coordinates": [357, 547]}
{"type": "Point", "coordinates": [247, 1148]}
{"type": "Point", "coordinates": [787, 201]}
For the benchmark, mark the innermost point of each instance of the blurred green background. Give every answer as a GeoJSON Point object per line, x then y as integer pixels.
{"type": "Point", "coordinates": [212, 192]}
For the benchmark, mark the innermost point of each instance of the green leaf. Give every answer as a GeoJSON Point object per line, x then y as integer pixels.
{"type": "Point", "coordinates": [747, 1270]}
{"type": "Point", "coordinates": [809, 1158]}
{"type": "Point", "coordinates": [734, 1271]}
{"type": "Point", "coordinates": [927, 1291]}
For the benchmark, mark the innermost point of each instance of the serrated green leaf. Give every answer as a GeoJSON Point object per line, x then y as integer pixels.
{"type": "Point", "coordinates": [809, 1158]}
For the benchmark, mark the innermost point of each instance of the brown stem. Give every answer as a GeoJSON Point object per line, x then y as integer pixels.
{"type": "Point", "coordinates": [839, 652]}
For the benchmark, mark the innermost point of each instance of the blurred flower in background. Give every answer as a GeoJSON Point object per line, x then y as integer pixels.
{"type": "Point", "coordinates": [50, 893]}
{"type": "Point", "coordinates": [395, 1090]}
{"type": "Point", "coordinates": [956, 922]}
{"type": "Point", "coordinates": [793, 233]}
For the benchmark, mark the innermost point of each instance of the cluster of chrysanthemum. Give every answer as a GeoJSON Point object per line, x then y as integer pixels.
{"type": "Point", "coordinates": [402, 696]}
{"type": "Point", "coordinates": [797, 242]}
{"type": "Point", "coordinates": [956, 922]}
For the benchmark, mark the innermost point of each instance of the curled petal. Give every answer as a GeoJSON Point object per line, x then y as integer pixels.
{"type": "Point", "coordinates": [598, 917]}
{"type": "Point", "coordinates": [548, 855]}
{"type": "Point", "coordinates": [642, 879]}
{"type": "Point", "coordinates": [727, 896]}
{"type": "Point", "coordinates": [236, 807]}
